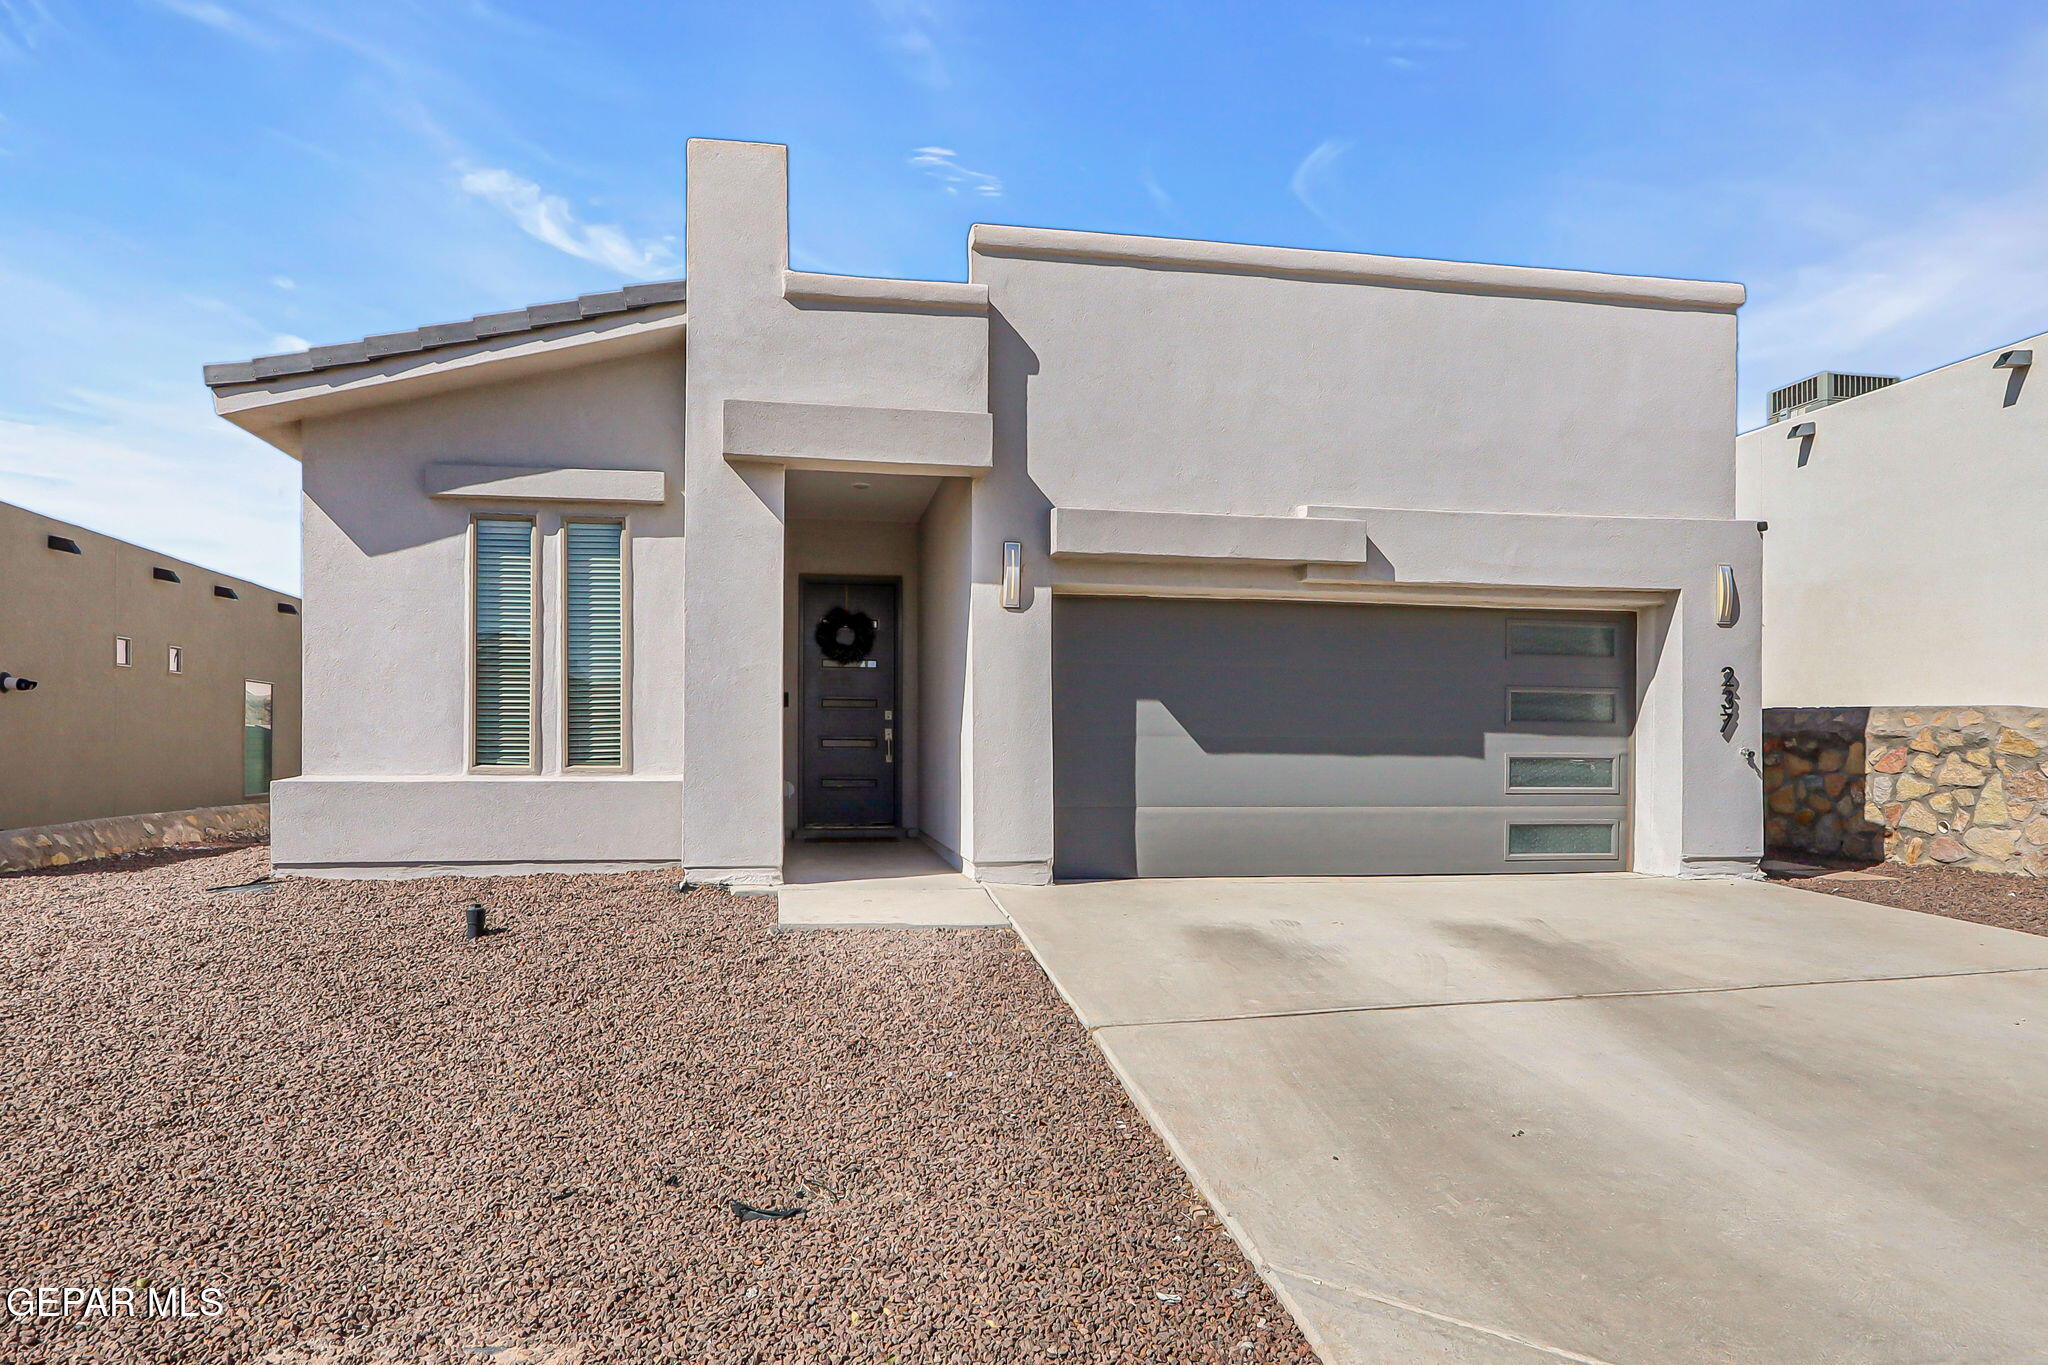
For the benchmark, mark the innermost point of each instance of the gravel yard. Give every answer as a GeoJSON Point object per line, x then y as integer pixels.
{"type": "Point", "coordinates": [379, 1143]}
{"type": "Point", "coordinates": [1984, 897]}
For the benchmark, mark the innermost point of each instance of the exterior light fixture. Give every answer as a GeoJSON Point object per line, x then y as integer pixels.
{"type": "Point", "coordinates": [163, 575]}
{"type": "Point", "coordinates": [2013, 360]}
{"type": "Point", "coordinates": [1727, 605]}
{"type": "Point", "coordinates": [1799, 431]}
{"type": "Point", "coordinates": [221, 590]}
{"type": "Point", "coordinates": [63, 544]}
{"type": "Point", "coordinates": [1013, 575]}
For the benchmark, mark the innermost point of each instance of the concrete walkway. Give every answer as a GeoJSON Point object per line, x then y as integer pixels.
{"type": "Point", "coordinates": [1610, 1119]}
{"type": "Point", "coordinates": [878, 884]}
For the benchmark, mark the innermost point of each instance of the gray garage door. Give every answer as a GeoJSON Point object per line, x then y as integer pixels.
{"type": "Point", "coordinates": [1204, 739]}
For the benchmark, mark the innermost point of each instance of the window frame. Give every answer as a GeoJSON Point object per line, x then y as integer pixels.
{"type": "Point", "coordinates": [1613, 762]}
{"type": "Point", "coordinates": [270, 764]}
{"type": "Point", "coordinates": [1614, 852]}
{"type": "Point", "coordinates": [561, 633]}
{"type": "Point", "coordinates": [124, 651]}
{"type": "Point", "coordinates": [535, 545]}
{"type": "Point", "coordinates": [174, 659]}
{"type": "Point", "coordinates": [1598, 621]}
{"type": "Point", "coordinates": [1616, 717]}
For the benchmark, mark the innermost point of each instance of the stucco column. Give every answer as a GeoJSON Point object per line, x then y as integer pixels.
{"type": "Point", "coordinates": [732, 588]}
{"type": "Point", "coordinates": [1007, 750]}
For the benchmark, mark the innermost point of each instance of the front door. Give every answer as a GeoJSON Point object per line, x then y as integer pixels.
{"type": "Point", "coordinates": [847, 638]}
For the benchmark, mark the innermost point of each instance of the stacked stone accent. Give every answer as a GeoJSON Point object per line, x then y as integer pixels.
{"type": "Point", "coordinates": [1965, 786]}
{"type": "Point", "coordinates": [1814, 801]}
{"type": "Point", "coordinates": [84, 840]}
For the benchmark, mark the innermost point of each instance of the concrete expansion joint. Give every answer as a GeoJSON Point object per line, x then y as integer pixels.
{"type": "Point", "coordinates": [1397, 1305]}
{"type": "Point", "coordinates": [1560, 999]}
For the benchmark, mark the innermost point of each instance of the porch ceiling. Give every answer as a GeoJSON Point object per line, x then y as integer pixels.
{"type": "Point", "coordinates": [813, 494]}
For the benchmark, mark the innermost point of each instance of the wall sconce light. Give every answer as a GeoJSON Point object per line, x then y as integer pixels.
{"type": "Point", "coordinates": [2013, 360]}
{"type": "Point", "coordinates": [1727, 605]}
{"type": "Point", "coordinates": [1800, 431]}
{"type": "Point", "coordinates": [1013, 575]}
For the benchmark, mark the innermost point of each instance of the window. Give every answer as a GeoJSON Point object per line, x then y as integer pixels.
{"type": "Point", "coordinates": [255, 738]}
{"type": "Point", "coordinates": [503, 690]}
{"type": "Point", "coordinates": [175, 659]}
{"type": "Point", "coordinates": [1576, 639]}
{"type": "Point", "coordinates": [1560, 706]}
{"type": "Point", "coordinates": [594, 605]}
{"type": "Point", "coordinates": [124, 651]}
{"type": "Point", "coordinates": [1532, 774]}
{"type": "Point", "coordinates": [1558, 839]}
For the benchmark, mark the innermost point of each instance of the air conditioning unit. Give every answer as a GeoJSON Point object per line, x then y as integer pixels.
{"type": "Point", "coordinates": [1817, 391]}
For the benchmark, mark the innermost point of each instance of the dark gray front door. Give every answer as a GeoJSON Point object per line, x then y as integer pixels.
{"type": "Point", "coordinates": [1210, 739]}
{"type": "Point", "coordinates": [847, 639]}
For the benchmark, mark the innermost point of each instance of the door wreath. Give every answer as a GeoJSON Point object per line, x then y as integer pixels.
{"type": "Point", "coordinates": [845, 637]}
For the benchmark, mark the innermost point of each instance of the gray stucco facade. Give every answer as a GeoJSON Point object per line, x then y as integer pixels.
{"type": "Point", "coordinates": [1142, 419]}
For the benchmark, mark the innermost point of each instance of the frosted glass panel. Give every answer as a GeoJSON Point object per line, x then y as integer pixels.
{"type": "Point", "coordinates": [1561, 841]}
{"type": "Point", "coordinates": [1561, 773]}
{"type": "Point", "coordinates": [1586, 640]}
{"type": "Point", "coordinates": [1589, 708]}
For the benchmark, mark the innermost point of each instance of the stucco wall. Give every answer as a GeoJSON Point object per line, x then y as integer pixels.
{"type": "Point", "coordinates": [98, 740]}
{"type": "Point", "coordinates": [1900, 556]}
{"type": "Point", "coordinates": [1502, 447]}
{"type": "Point", "coordinates": [387, 649]}
{"type": "Point", "coordinates": [942, 663]}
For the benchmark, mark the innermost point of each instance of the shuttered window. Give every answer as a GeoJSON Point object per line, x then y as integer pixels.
{"type": "Point", "coordinates": [594, 572]}
{"type": "Point", "coordinates": [504, 643]}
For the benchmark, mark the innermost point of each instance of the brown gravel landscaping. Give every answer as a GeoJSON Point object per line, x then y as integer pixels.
{"type": "Point", "coordinates": [378, 1142]}
{"type": "Point", "coordinates": [1996, 898]}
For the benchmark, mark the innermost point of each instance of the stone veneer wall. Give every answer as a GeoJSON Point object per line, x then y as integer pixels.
{"type": "Point", "coordinates": [1961, 785]}
{"type": "Point", "coordinates": [1814, 803]}
{"type": "Point", "coordinates": [114, 835]}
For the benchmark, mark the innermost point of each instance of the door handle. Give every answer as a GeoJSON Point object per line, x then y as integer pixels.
{"type": "Point", "coordinates": [888, 744]}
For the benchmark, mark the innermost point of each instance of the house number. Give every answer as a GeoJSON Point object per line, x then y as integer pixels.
{"type": "Point", "coordinates": [1727, 698]}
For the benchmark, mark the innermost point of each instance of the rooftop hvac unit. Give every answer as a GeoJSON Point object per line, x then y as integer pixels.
{"type": "Point", "coordinates": [1817, 391]}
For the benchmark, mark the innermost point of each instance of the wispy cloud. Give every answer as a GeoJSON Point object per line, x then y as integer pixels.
{"type": "Point", "coordinates": [1310, 178]}
{"type": "Point", "coordinates": [1963, 279]}
{"type": "Point", "coordinates": [217, 17]}
{"type": "Point", "coordinates": [942, 164]}
{"type": "Point", "coordinates": [550, 218]}
{"type": "Point", "coordinates": [911, 29]}
{"type": "Point", "coordinates": [25, 25]}
{"type": "Point", "coordinates": [1156, 192]}
{"type": "Point", "coordinates": [159, 469]}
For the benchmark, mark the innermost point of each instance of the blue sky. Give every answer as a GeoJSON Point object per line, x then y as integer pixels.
{"type": "Point", "coordinates": [184, 181]}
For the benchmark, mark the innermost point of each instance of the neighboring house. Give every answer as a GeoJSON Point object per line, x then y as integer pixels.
{"type": "Point", "coordinates": [160, 685]}
{"type": "Point", "coordinates": [1127, 556]}
{"type": "Point", "coordinates": [1901, 639]}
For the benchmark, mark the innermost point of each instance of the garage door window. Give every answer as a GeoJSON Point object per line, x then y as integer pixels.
{"type": "Point", "coordinates": [1543, 774]}
{"type": "Point", "coordinates": [1561, 706]}
{"type": "Point", "coordinates": [1571, 639]}
{"type": "Point", "coordinates": [1561, 840]}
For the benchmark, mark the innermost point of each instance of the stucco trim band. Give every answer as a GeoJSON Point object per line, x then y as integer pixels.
{"type": "Point", "coordinates": [1461, 276]}
{"type": "Point", "coordinates": [858, 439]}
{"type": "Point", "coordinates": [857, 291]}
{"type": "Point", "coordinates": [1099, 533]}
{"type": "Point", "coordinates": [523, 483]}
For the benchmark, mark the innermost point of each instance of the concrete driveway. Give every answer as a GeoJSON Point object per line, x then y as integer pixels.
{"type": "Point", "coordinates": [1604, 1118]}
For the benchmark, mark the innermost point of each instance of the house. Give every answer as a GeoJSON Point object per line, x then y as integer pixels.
{"type": "Point", "coordinates": [1126, 556]}
{"type": "Point", "coordinates": [1905, 683]}
{"type": "Point", "coordinates": [160, 687]}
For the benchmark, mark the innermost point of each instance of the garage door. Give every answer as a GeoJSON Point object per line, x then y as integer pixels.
{"type": "Point", "coordinates": [1202, 738]}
